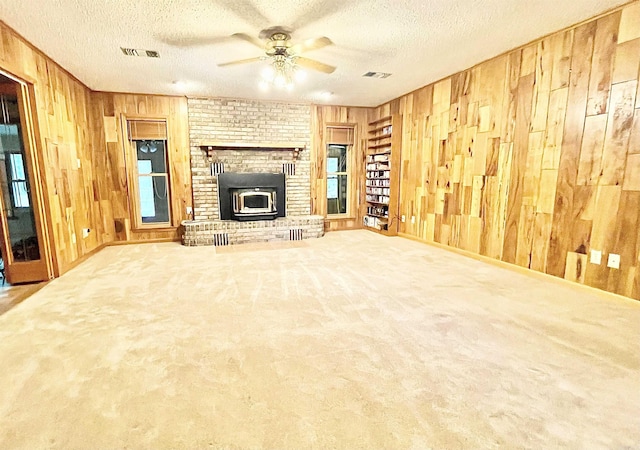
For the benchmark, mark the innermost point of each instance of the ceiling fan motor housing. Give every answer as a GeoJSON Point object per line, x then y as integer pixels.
{"type": "Point", "coordinates": [278, 44]}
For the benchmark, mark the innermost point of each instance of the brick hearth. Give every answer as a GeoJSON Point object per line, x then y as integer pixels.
{"type": "Point", "coordinates": [227, 232]}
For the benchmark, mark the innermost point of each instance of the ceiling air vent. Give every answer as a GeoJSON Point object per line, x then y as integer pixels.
{"type": "Point", "coordinates": [377, 75]}
{"type": "Point", "coordinates": [129, 51]}
{"type": "Point", "coordinates": [140, 52]}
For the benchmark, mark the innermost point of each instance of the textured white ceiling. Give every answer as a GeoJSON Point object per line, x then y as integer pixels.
{"type": "Point", "coordinates": [418, 41]}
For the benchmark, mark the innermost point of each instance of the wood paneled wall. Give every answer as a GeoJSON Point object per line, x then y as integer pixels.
{"type": "Point", "coordinates": [321, 118]}
{"type": "Point", "coordinates": [111, 111]}
{"type": "Point", "coordinates": [533, 157]}
{"type": "Point", "coordinates": [65, 152]}
{"type": "Point", "coordinates": [81, 154]}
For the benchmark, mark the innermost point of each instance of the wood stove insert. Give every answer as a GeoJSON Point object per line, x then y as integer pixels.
{"type": "Point", "coordinates": [251, 196]}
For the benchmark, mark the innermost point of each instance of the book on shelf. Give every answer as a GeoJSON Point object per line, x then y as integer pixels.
{"type": "Point", "coordinates": [378, 182]}
{"type": "Point", "coordinates": [375, 222]}
{"type": "Point", "coordinates": [379, 211]}
{"type": "Point", "coordinates": [378, 190]}
{"type": "Point", "coordinates": [376, 198]}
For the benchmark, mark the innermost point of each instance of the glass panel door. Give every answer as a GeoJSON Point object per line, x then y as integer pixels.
{"type": "Point", "coordinates": [17, 205]}
{"type": "Point", "coordinates": [21, 244]}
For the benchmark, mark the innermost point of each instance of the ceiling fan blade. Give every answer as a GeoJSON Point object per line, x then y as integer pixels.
{"type": "Point", "coordinates": [193, 41]}
{"type": "Point", "coordinates": [315, 65]}
{"type": "Point", "coordinates": [309, 44]}
{"type": "Point", "coordinates": [252, 40]}
{"type": "Point", "coordinates": [240, 61]}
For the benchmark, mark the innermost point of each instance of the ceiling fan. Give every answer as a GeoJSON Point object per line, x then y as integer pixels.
{"type": "Point", "coordinates": [279, 49]}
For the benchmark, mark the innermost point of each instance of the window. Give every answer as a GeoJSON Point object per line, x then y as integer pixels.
{"type": "Point", "coordinates": [19, 193]}
{"type": "Point", "coordinates": [340, 164]}
{"type": "Point", "coordinates": [151, 179]}
{"type": "Point", "coordinates": [337, 179]}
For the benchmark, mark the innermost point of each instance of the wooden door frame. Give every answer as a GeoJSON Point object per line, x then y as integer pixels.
{"type": "Point", "coordinates": [32, 149]}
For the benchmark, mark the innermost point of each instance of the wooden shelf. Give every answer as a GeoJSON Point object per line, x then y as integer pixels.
{"type": "Point", "coordinates": [382, 119]}
{"type": "Point", "coordinates": [294, 148]}
{"type": "Point", "coordinates": [378, 129]}
{"type": "Point", "coordinates": [381, 137]}
{"type": "Point", "coordinates": [388, 144]}
{"type": "Point", "coordinates": [388, 152]}
{"type": "Point", "coordinates": [377, 203]}
{"type": "Point", "coordinates": [384, 142]}
{"type": "Point", "coordinates": [219, 145]}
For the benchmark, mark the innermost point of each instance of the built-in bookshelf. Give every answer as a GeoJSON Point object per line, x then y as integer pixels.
{"type": "Point", "coordinates": [381, 182]}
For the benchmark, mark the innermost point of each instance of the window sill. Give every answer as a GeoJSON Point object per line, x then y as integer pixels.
{"type": "Point", "coordinates": [154, 228]}
{"type": "Point", "coordinates": [339, 216]}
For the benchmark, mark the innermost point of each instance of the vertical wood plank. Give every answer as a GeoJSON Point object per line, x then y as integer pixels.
{"type": "Point", "coordinates": [634, 137]}
{"type": "Point", "coordinates": [604, 48]}
{"type": "Point", "coordinates": [625, 243]}
{"type": "Point", "coordinates": [540, 244]}
{"type": "Point", "coordinates": [629, 23]}
{"type": "Point", "coordinates": [584, 200]}
{"type": "Point", "coordinates": [627, 61]}
{"type": "Point", "coordinates": [591, 150]}
{"type": "Point", "coordinates": [518, 165]}
{"type": "Point", "coordinates": [632, 173]}
{"type": "Point", "coordinates": [604, 232]}
{"type": "Point", "coordinates": [562, 44]}
{"type": "Point", "coordinates": [525, 236]}
{"type": "Point", "coordinates": [546, 196]}
{"type": "Point", "coordinates": [616, 139]}
{"type": "Point", "coordinates": [571, 144]}
{"type": "Point", "coordinates": [555, 128]}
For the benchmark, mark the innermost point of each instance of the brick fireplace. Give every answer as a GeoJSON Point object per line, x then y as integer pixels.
{"type": "Point", "coordinates": [249, 136]}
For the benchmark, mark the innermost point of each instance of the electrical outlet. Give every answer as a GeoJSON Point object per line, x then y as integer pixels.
{"type": "Point", "coordinates": [85, 232]}
{"type": "Point", "coordinates": [189, 210]}
{"type": "Point", "coordinates": [613, 261]}
{"type": "Point", "coordinates": [596, 257]}
{"type": "Point", "coordinates": [404, 218]}
{"type": "Point", "coordinates": [413, 219]}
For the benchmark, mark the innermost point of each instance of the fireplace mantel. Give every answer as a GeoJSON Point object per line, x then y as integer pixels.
{"type": "Point", "coordinates": [212, 147]}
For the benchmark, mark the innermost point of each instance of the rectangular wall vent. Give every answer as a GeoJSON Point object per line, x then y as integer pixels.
{"type": "Point", "coordinates": [377, 75]}
{"type": "Point", "coordinates": [295, 234]}
{"type": "Point", "coordinates": [217, 168]}
{"type": "Point", "coordinates": [140, 52]}
{"type": "Point", "coordinates": [221, 239]}
{"type": "Point", "coordinates": [289, 168]}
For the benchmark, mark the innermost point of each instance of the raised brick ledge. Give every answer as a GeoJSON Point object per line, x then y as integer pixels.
{"type": "Point", "coordinates": [208, 232]}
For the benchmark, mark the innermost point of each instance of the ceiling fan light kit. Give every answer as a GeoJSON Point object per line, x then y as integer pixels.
{"type": "Point", "coordinates": [282, 73]}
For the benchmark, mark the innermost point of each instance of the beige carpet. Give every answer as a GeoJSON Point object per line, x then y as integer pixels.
{"type": "Point", "coordinates": [351, 341]}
